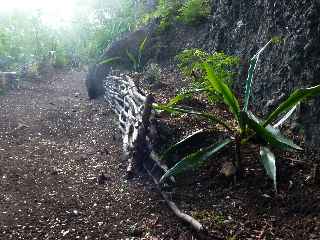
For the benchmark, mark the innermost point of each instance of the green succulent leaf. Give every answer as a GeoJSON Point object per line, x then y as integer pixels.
{"type": "Point", "coordinates": [269, 163]}
{"type": "Point", "coordinates": [270, 128]}
{"type": "Point", "coordinates": [273, 138]}
{"type": "Point", "coordinates": [184, 95]}
{"type": "Point", "coordinates": [195, 159]}
{"type": "Point", "coordinates": [285, 117]}
{"type": "Point", "coordinates": [175, 110]}
{"type": "Point", "coordinates": [109, 60]}
{"type": "Point", "coordinates": [220, 87]}
{"type": "Point", "coordinates": [295, 98]}
{"type": "Point", "coordinates": [143, 45]}
{"type": "Point", "coordinates": [132, 59]}
{"type": "Point", "coordinates": [186, 142]}
{"type": "Point", "coordinates": [141, 49]}
{"type": "Point", "coordinates": [253, 63]}
{"type": "Point", "coordinates": [252, 67]}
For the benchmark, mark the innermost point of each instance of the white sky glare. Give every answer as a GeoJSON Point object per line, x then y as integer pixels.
{"type": "Point", "coordinates": [55, 12]}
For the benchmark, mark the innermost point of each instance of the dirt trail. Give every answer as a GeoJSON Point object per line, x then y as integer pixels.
{"type": "Point", "coordinates": [53, 145]}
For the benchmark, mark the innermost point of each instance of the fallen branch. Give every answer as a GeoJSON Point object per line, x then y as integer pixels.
{"type": "Point", "coordinates": [193, 223]}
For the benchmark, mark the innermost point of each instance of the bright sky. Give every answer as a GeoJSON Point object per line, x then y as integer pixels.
{"type": "Point", "coordinates": [55, 12]}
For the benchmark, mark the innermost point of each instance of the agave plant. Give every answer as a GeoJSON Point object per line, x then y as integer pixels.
{"type": "Point", "coordinates": [248, 128]}
{"type": "Point", "coordinates": [137, 60]}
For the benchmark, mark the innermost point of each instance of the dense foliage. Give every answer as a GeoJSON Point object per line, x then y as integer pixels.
{"type": "Point", "coordinates": [190, 12]}
{"type": "Point", "coordinates": [194, 11]}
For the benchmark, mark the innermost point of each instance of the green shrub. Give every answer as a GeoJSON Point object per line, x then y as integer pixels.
{"type": "Point", "coordinates": [164, 25]}
{"type": "Point", "coordinates": [166, 11]}
{"type": "Point", "coordinates": [192, 62]}
{"type": "Point", "coordinates": [245, 127]}
{"type": "Point", "coordinates": [194, 11]}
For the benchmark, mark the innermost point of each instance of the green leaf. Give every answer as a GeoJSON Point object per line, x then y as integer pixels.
{"type": "Point", "coordinates": [253, 63]}
{"type": "Point", "coordinates": [195, 159]}
{"type": "Point", "coordinates": [277, 39]}
{"type": "Point", "coordinates": [270, 128]}
{"type": "Point", "coordinates": [141, 49]}
{"type": "Point", "coordinates": [252, 67]}
{"type": "Point", "coordinates": [285, 117]}
{"type": "Point", "coordinates": [273, 138]}
{"type": "Point", "coordinates": [142, 45]}
{"type": "Point", "coordinates": [192, 112]}
{"type": "Point", "coordinates": [269, 163]}
{"type": "Point", "coordinates": [182, 96]}
{"type": "Point", "coordinates": [133, 59]}
{"type": "Point", "coordinates": [185, 142]}
{"type": "Point", "coordinates": [294, 99]}
{"type": "Point", "coordinates": [109, 60]}
{"type": "Point", "coordinates": [224, 90]}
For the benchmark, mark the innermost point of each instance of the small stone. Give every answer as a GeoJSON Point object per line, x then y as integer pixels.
{"type": "Point", "coordinates": [228, 169]}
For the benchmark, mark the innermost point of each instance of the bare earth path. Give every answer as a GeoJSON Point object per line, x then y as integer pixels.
{"type": "Point", "coordinates": [53, 145]}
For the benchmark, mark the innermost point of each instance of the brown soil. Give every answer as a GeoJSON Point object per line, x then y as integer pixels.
{"type": "Point", "coordinates": [54, 145]}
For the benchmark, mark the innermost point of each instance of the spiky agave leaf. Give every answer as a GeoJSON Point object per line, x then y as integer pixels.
{"type": "Point", "coordinates": [109, 60]}
{"type": "Point", "coordinates": [294, 99]}
{"type": "Point", "coordinates": [285, 117]}
{"type": "Point", "coordinates": [141, 49]}
{"type": "Point", "coordinates": [270, 128]}
{"type": "Point", "coordinates": [273, 138]}
{"type": "Point", "coordinates": [143, 45]}
{"type": "Point", "coordinates": [175, 110]}
{"type": "Point", "coordinates": [195, 159]}
{"type": "Point", "coordinates": [253, 63]}
{"type": "Point", "coordinates": [186, 142]}
{"type": "Point", "coordinates": [269, 163]}
{"type": "Point", "coordinates": [222, 88]}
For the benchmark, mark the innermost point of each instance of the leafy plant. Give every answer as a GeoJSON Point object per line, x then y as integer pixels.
{"type": "Point", "coordinates": [166, 12]}
{"type": "Point", "coordinates": [137, 60]}
{"type": "Point", "coordinates": [194, 11]}
{"type": "Point", "coordinates": [248, 128]}
{"type": "Point", "coordinates": [193, 63]}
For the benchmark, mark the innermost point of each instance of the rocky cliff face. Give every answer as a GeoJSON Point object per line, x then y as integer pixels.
{"type": "Point", "coordinates": [241, 27]}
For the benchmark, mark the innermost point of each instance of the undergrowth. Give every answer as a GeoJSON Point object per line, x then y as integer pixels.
{"type": "Point", "coordinates": [190, 12]}
{"type": "Point", "coordinates": [191, 63]}
{"type": "Point", "coordinates": [194, 11]}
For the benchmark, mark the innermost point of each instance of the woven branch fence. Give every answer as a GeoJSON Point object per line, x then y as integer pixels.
{"type": "Point", "coordinates": [136, 119]}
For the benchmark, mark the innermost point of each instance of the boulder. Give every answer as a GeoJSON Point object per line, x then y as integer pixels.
{"type": "Point", "coordinates": [8, 80]}
{"type": "Point", "coordinates": [118, 50]}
